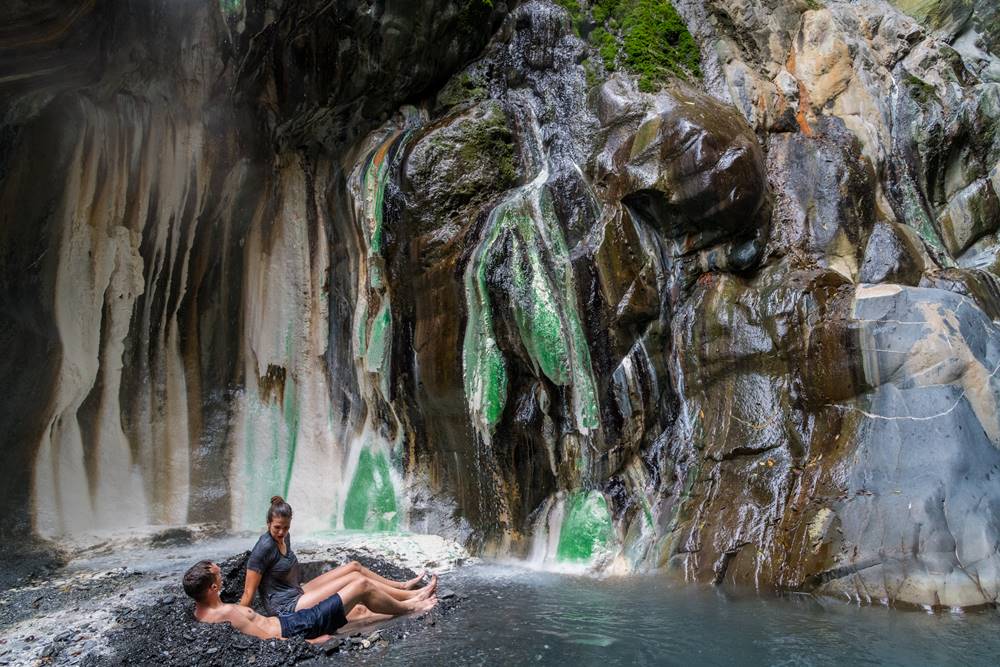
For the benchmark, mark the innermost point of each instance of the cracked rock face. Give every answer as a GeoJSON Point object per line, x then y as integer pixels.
{"type": "Point", "coordinates": [920, 524]}
{"type": "Point", "coordinates": [451, 274]}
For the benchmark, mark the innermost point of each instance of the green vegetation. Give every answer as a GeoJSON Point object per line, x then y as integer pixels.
{"type": "Point", "coordinates": [936, 13]}
{"type": "Point", "coordinates": [474, 153]}
{"type": "Point", "coordinates": [922, 91]}
{"type": "Point", "coordinates": [491, 140]}
{"type": "Point", "coordinates": [647, 38]}
{"type": "Point", "coordinates": [657, 44]}
{"type": "Point", "coordinates": [577, 15]}
{"type": "Point", "coordinates": [462, 88]}
{"type": "Point", "coordinates": [606, 45]}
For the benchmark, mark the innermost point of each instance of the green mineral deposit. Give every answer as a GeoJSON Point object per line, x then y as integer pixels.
{"type": "Point", "coordinates": [231, 6]}
{"type": "Point", "coordinates": [537, 316]}
{"type": "Point", "coordinates": [647, 512]}
{"type": "Point", "coordinates": [484, 369]}
{"type": "Point", "coordinates": [374, 194]}
{"type": "Point", "coordinates": [585, 527]}
{"type": "Point", "coordinates": [378, 340]}
{"type": "Point", "coordinates": [361, 329]}
{"type": "Point", "coordinates": [371, 500]}
{"type": "Point", "coordinates": [545, 310]}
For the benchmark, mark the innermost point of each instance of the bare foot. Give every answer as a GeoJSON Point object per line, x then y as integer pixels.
{"type": "Point", "coordinates": [424, 605]}
{"type": "Point", "coordinates": [360, 611]}
{"type": "Point", "coordinates": [427, 590]}
{"type": "Point", "coordinates": [414, 583]}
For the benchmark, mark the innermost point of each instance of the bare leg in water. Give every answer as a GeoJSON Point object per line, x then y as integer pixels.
{"type": "Point", "coordinates": [355, 566]}
{"type": "Point", "coordinates": [314, 594]}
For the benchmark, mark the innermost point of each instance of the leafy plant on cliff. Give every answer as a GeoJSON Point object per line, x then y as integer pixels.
{"type": "Point", "coordinates": [657, 44]}
{"type": "Point", "coordinates": [648, 38]}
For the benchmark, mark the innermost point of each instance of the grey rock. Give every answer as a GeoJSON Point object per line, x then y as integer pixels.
{"type": "Point", "coordinates": [971, 213]}
{"type": "Point", "coordinates": [931, 416]}
{"type": "Point", "coordinates": [824, 195]}
{"type": "Point", "coordinates": [892, 255]}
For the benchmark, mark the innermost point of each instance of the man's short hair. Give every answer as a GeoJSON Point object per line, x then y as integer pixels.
{"type": "Point", "coordinates": [198, 579]}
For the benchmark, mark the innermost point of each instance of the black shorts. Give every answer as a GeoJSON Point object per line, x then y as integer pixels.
{"type": "Point", "coordinates": [323, 619]}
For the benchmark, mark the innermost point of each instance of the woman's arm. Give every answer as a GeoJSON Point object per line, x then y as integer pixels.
{"type": "Point", "coordinates": [250, 587]}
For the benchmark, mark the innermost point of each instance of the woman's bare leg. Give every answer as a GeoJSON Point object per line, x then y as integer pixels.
{"type": "Point", "coordinates": [367, 592]}
{"type": "Point", "coordinates": [315, 594]}
{"type": "Point", "coordinates": [355, 566]}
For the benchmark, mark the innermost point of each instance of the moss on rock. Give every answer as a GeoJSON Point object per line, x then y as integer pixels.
{"type": "Point", "coordinates": [647, 38]}
{"type": "Point", "coordinates": [463, 88]}
{"type": "Point", "coordinates": [462, 162]}
{"type": "Point", "coordinates": [491, 140]}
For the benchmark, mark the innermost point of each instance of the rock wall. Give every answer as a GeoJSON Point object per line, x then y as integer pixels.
{"type": "Point", "coordinates": [522, 274]}
{"type": "Point", "coordinates": [179, 261]}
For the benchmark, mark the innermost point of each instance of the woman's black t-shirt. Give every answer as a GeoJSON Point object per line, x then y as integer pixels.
{"type": "Point", "coordinates": [280, 576]}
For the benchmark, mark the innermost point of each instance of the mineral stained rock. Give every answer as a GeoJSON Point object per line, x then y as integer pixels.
{"type": "Point", "coordinates": [463, 268]}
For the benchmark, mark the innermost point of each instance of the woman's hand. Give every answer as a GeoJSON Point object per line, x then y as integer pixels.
{"type": "Point", "coordinates": [250, 587]}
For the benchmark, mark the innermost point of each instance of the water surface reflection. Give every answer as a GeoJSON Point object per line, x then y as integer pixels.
{"type": "Point", "coordinates": [516, 616]}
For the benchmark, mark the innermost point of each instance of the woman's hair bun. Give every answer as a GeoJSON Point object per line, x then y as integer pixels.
{"type": "Point", "coordinates": [278, 508]}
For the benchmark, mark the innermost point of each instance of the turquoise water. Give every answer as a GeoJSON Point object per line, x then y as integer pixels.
{"type": "Point", "coordinates": [515, 616]}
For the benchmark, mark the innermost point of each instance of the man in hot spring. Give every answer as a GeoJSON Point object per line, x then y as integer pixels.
{"type": "Point", "coordinates": [360, 599]}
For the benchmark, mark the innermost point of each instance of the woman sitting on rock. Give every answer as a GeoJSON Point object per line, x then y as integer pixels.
{"type": "Point", "coordinates": [274, 570]}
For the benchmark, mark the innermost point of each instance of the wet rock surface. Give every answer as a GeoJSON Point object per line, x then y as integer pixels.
{"type": "Point", "coordinates": [742, 328]}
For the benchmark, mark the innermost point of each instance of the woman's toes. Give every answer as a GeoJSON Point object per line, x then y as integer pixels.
{"type": "Point", "coordinates": [414, 583]}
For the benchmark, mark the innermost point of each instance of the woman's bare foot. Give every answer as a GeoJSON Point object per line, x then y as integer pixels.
{"type": "Point", "coordinates": [424, 605]}
{"type": "Point", "coordinates": [427, 590]}
{"type": "Point", "coordinates": [414, 583]}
